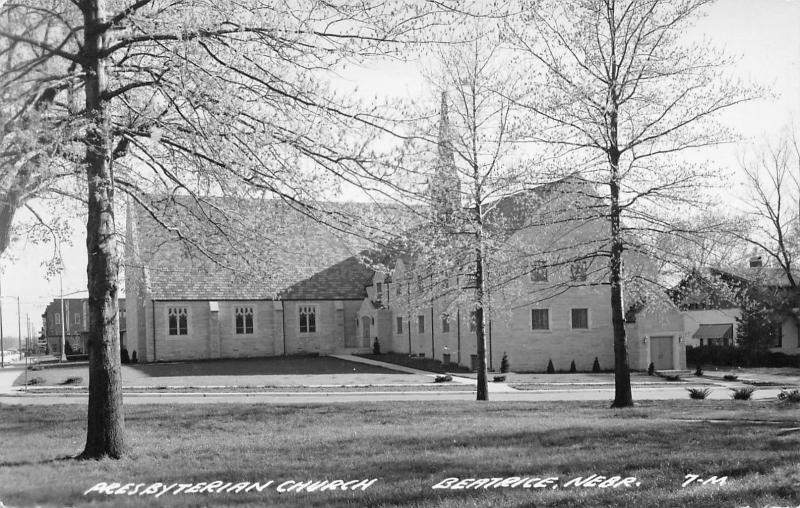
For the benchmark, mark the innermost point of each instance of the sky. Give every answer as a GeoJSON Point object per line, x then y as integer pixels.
{"type": "Point", "coordinates": [763, 34]}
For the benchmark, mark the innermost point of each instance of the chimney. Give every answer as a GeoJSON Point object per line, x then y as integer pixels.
{"type": "Point", "coordinates": [755, 262]}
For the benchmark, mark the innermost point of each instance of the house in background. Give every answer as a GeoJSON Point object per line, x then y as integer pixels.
{"type": "Point", "coordinates": [76, 325]}
{"type": "Point", "coordinates": [710, 304]}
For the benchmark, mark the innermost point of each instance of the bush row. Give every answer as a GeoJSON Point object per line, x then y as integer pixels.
{"type": "Point", "coordinates": [738, 357]}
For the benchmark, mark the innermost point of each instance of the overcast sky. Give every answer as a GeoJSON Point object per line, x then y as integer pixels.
{"type": "Point", "coordinates": [763, 33]}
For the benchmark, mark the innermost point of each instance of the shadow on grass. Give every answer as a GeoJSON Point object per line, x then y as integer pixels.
{"type": "Point", "coordinates": [21, 463]}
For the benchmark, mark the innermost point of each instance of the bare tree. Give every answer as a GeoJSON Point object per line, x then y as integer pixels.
{"type": "Point", "coordinates": [474, 193]}
{"type": "Point", "coordinates": [181, 98]}
{"type": "Point", "coordinates": [773, 180]}
{"type": "Point", "coordinates": [627, 96]}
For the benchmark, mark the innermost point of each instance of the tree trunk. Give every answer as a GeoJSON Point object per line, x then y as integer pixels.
{"type": "Point", "coordinates": [480, 322]}
{"type": "Point", "coordinates": [622, 375]}
{"type": "Point", "coordinates": [480, 327]}
{"type": "Point", "coordinates": [105, 426]}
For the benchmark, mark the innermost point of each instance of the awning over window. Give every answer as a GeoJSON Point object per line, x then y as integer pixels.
{"type": "Point", "coordinates": [723, 331]}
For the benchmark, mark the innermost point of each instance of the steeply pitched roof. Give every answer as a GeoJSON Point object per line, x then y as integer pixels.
{"type": "Point", "coordinates": [269, 250]}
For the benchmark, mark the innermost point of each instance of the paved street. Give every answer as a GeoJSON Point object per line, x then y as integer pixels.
{"type": "Point", "coordinates": [720, 390]}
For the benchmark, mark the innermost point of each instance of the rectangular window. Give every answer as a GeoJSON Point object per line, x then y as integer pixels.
{"type": "Point", "coordinates": [580, 318]}
{"type": "Point", "coordinates": [244, 320]}
{"type": "Point", "coordinates": [399, 325]}
{"type": "Point", "coordinates": [472, 321]}
{"type": "Point", "coordinates": [378, 291]}
{"type": "Point", "coordinates": [540, 319]}
{"type": "Point", "coordinates": [539, 272]}
{"type": "Point", "coordinates": [58, 318]}
{"type": "Point", "coordinates": [445, 324]}
{"type": "Point", "coordinates": [178, 320]}
{"type": "Point", "coordinates": [77, 317]}
{"type": "Point", "coordinates": [421, 323]}
{"type": "Point", "coordinates": [308, 319]}
{"type": "Point", "coordinates": [577, 270]}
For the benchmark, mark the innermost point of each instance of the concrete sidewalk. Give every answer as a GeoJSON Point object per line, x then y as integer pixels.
{"type": "Point", "coordinates": [493, 387]}
{"type": "Point", "coordinates": [8, 375]}
{"type": "Point", "coordinates": [606, 395]}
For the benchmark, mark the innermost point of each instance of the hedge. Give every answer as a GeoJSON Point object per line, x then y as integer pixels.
{"type": "Point", "coordinates": [738, 357]}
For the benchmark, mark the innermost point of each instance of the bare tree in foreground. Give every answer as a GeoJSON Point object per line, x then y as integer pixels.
{"type": "Point", "coordinates": [622, 89]}
{"type": "Point", "coordinates": [183, 98]}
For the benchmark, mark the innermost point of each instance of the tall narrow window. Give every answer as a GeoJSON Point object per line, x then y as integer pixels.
{"type": "Point", "coordinates": [378, 291]}
{"type": "Point", "coordinates": [445, 323]}
{"type": "Point", "coordinates": [580, 318]}
{"type": "Point", "coordinates": [539, 272]}
{"type": "Point", "coordinates": [58, 318]}
{"type": "Point", "coordinates": [399, 324]}
{"type": "Point", "coordinates": [77, 318]}
{"type": "Point", "coordinates": [577, 270]}
{"type": "Point", "coordinates": [244, 320]}
{"type": "Point", "coordinates": [178, 320]}
{"type": "Point", "coordinates": [308, 319]}
{"type": "Point", "coordinates": [540, 319]}
{"type": "Point", "coordinates": [421, 323]}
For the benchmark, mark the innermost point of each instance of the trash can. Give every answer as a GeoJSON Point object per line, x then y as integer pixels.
{"type": "Point", "coordinates": [473, 362]}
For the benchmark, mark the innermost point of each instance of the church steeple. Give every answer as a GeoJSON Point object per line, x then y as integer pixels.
{"type": "Point", "coordinates": [445, 187]}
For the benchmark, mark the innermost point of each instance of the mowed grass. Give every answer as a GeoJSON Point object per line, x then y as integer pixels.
{"type": "Point", "coordinates": [272, 371]}
{"type": "Point", "coordinates": [409, 447]}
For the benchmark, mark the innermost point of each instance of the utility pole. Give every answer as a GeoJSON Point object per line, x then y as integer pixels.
{"type": "Point", "coordinates": [19, 327]}
{"type": "Point", "coordinates": [63, 330]}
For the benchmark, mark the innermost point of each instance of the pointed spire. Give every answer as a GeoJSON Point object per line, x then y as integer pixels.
{"type": "Point", "coordinates": [445, 188]}
{"type": "Point", "coordinates": [445, 142]}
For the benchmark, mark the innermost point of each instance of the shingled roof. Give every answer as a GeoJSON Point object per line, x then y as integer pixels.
{"type": "Point", "coordinates": [274, 251]}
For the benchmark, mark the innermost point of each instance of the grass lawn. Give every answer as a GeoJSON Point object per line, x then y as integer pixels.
{"type": "Point", "coordinates": [409, 448]}
{"type": "Point", "coordinates": [274, 371]}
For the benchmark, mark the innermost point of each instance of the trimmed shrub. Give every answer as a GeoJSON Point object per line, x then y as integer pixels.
{"type": "Point", "coordinates": [442, 379]}
{"type": "Point", "coordinates": [124, 356]}
{"type": "Point", "coordinates": [596, 366]}
{"type": "Point", "coordinates": [36, 380]}
{"type": "Point", "coordinates": [134, 359]}
{"type": "Point", "coordinates": [699, 371]}
{"type": "Point", "coordinates": [72, 380]}
{"type": "Point", "coordinates": [651, 369]}
{"type": "Point", "coordinates": [572, 368]}
{"type": "Point", "coordinates": [550, 368]}
{"type": "Point", "coordinates": [743, 393]}
{"type": "Point", "coordinates": [730, 377]}
{"type": "Point", "coordinates": [376, 347]}
{"type": "Point", "coordinates": [792, 396]}
{"type": "Point", "coordinates": [698, 393]}
{"type": "Point", "coordinates": [499, 379]}
{"type": "Point", "coordinates": [504, 364]}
